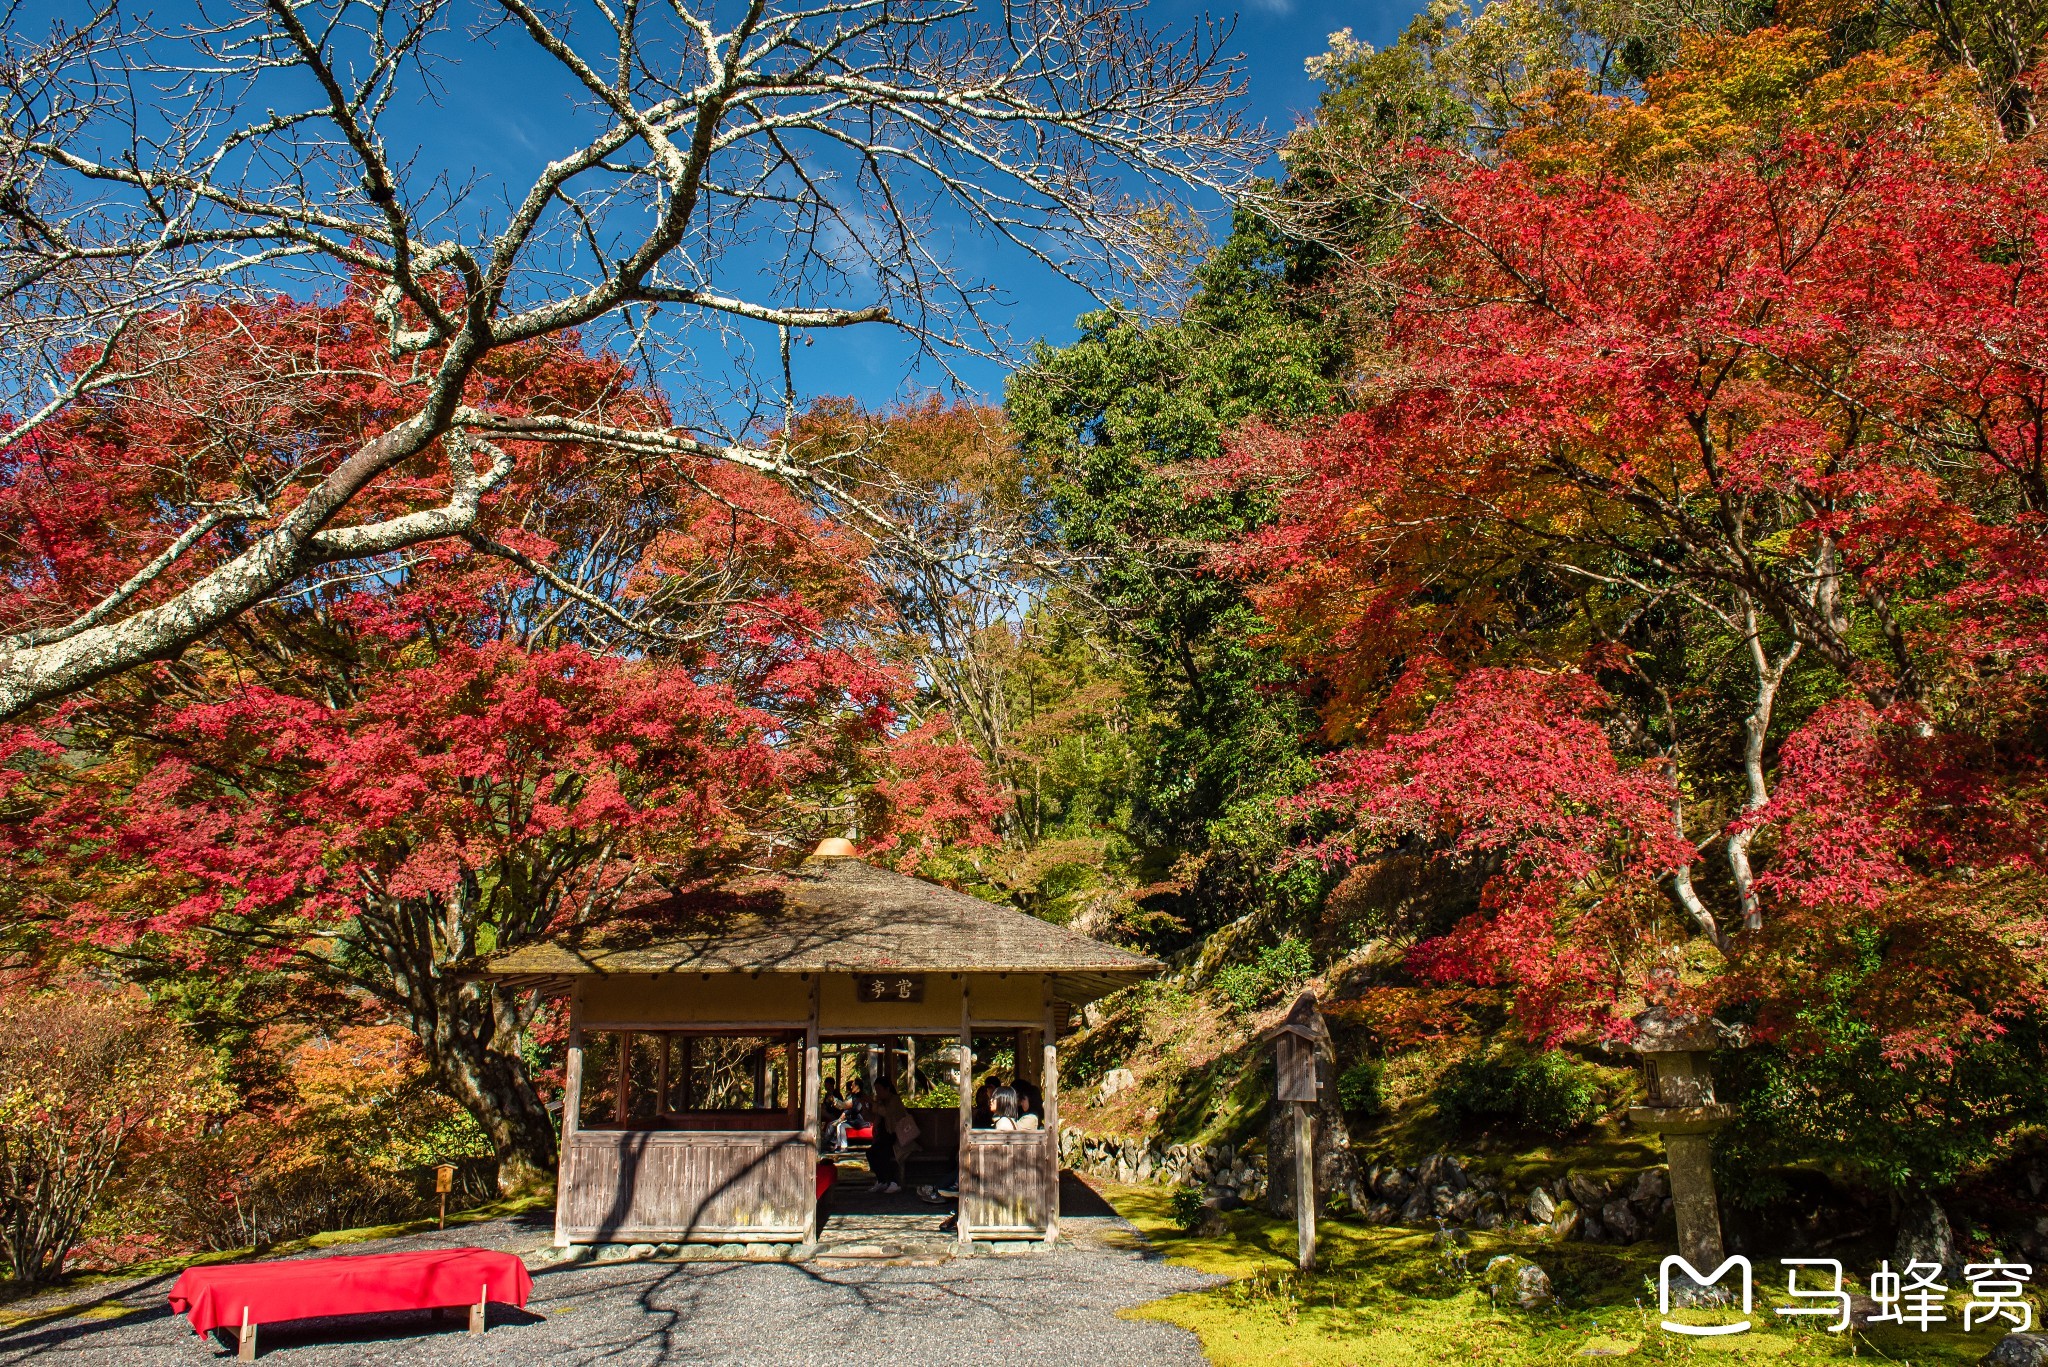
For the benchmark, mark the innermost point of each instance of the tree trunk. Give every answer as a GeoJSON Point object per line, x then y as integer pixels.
{"type": "Point", "coordinates": [470, 1031]}
{"type": "Point", "coordinates": [472, 1041]}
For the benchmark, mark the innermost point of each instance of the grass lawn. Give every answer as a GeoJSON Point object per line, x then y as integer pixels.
{"type": "Point", "coordinates": [1388, 1296]}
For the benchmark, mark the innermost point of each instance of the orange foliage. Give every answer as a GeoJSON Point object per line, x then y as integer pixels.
{"type": "Point", "coordinates": [1400, 1018]}
{"type": "Point", "coordinates": [1726, 92]}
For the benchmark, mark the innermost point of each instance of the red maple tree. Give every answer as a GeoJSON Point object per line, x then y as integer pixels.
{"type": "Point", "coordinates": [374, 779]}
{"type": "Point", "coordinates": [1790, 400]}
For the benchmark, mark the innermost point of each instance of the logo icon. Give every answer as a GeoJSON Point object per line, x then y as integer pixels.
{"type": "Point", "coordinates": [1701, 1279]}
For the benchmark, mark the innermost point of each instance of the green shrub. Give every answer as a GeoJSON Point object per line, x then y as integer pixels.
{"type": "Point", "coordinates": [1185, 1206]}
{"type": "Point", "coordinates": [1242, 985]}
{"type": "Point", "coordinates": [1547, 1092]}
{"type": "Point", "coordinates": [1278, 968]}
{"type": "Point", "coordinates": [1358, 1090]}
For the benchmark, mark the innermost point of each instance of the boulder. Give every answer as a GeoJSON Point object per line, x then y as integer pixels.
{"type": "Point", "coordinates": [1589, 1194]}
{"type": "Point", "coordinates": [1380, 1213]}
{"type": "Point", "coordinates": [1117, 1080]}
{"type": "Point", "coordinates": [1432, 1170]}
{"type": "Point", "coordinates": [1925, 1237]}
{"type": "Point", "coordinates": [1415, 1210]}
{"type": "Point", "coordinates": [1566, 1223]}
{"type": "Point", "coordinates": [1451, 1238]}
{"type": "Point", "coordinates": [1592, 1231]}
{"type": "Point", "coordinates": [1464, 1205]}
{"type": "Point", "coordinates": [1621, 1222]}
{"type": "Point", "coordinates": [1542, 1210]}
{"type": "Point", "coordinates": [1394, 1184]}
{"type": "Point", "coordinates": [1650, 1190]}
{"type": "Point", "coordinates": [2019, 1350]}
{"type": "Point", "coordinates": [1210, 1224]}
{"type": "Point", "coordinates": [1518, 1282]}
{"type": "Point", "coordinates": [1441, 1201]}
{"type": "Point", "coordinates": [1487, 1219]}
{"type": "Point", "coordinates": [1452, 1174]}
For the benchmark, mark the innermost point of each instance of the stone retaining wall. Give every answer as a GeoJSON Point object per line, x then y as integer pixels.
{"type": "Point", "coordinates": [1439, 1192]}
{"type": "Point", "coordinates": [1220, 1169]}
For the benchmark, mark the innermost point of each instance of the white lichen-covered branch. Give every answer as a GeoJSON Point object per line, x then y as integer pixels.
{"type": "Point", "coordinates": [723, 167]}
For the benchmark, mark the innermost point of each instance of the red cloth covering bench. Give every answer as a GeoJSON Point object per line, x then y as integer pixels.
{"type": "Point", "coordinates": [231, 1295]}
{"type": "Point", "coordinates": [828, 1173]}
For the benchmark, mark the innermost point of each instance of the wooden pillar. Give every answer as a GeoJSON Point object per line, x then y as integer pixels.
{"type": "Point", "coordinates": [1049, 1084]}
{"type": "Point", "coordinates": [572, 1115]}
{"type": "Point", "coordinates": [1304, 1184]}
{"type": "Point", "coordinates": [966, 1114]}
{"type": "Point", "coordinates": [619, 1074]}
{"type": "Point", "coordinates": [813, 1081]}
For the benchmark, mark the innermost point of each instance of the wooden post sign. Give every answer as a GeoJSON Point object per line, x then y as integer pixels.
{"type": "Point", "coordinates": [444, 1182]}
{"type": "Point", "coordinates": [1300, 1042]}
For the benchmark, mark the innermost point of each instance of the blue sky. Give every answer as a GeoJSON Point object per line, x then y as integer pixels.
{"type": "Point", "coordinates": [474, 126]}
{"type": "Point", "coordinates": [500, 114]}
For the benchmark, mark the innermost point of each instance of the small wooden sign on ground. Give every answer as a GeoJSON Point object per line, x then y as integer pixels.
{"type": "Point", "coordinates": [1300, 1043]}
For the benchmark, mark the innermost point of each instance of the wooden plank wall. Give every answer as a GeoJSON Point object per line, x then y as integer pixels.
{"type": "Point", "coordinates": [677, 1185]}
{"type": "Point", "coordinates": [1009, 1183]}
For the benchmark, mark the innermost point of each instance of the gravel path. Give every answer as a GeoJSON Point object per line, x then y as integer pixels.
{"type": "Point", "coordinates": [1049, 1309]}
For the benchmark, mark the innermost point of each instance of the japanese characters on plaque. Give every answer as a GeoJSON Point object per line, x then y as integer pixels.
{"type": "Point", "coordinates": [1915, 1295]}
{"type": "Point", "coordinates": [889, 987]}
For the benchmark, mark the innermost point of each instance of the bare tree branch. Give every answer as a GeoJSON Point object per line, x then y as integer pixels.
{"type": "Point", "coordinates": [788, 165]}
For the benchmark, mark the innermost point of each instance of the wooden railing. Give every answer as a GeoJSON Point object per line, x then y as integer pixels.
{"type": "Point", "coordinates": [673, 1185]}
{"type": "Point", "coordinates": [1009, 1183]}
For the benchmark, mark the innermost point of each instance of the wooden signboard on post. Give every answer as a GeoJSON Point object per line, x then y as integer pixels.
{"type": "Point", "coordinates": [1300, 1043]}
{"type": "Point", "coordinates": [444, 1182]}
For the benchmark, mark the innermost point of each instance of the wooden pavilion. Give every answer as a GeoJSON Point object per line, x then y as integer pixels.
{"type": "Point", "coordinates": [691, 1106]}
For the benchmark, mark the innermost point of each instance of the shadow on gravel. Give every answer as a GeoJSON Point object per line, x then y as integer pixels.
{"type": "Point", "coordinates": [1078, 1200]}
{"type": "Point", "coordinates": [335, 1330]}
{"type": "Point", "coordinates": [133, 1303]}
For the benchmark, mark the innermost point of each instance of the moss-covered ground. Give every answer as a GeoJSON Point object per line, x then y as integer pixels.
{"type": "Point", "coordinates": [1389, 1297]}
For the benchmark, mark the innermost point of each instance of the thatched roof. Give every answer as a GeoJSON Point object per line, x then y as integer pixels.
{"type": "Point", "coordinates": [834, 916]}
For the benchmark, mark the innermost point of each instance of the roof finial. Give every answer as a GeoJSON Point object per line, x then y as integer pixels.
{"type": "Point", "coordinates": [834, 847]}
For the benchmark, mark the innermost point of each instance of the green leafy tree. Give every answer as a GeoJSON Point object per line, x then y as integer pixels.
{"type": "Point", "coordinates": [1114, 419]}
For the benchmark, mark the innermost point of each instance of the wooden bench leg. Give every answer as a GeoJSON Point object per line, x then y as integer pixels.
{"type": "Point", "coordinates": [245, 1350]}
{"type": "Point", "coordinates": [476, 1312]}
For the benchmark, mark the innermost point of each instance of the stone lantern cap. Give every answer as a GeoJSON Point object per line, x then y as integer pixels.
{"type": "Point", "coordinates": [1663, 1032]}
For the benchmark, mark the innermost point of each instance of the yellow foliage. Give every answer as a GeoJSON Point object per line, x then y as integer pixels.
{"type": "Point", "coordinates": [1727, 92]}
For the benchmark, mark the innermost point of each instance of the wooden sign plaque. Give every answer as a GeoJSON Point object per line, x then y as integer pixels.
{"type": "Point", "coordinates": [889, 987]}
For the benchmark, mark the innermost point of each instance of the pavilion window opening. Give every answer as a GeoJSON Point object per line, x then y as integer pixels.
{"type": "Point", "coordinates": [1014, 1060]}
{"type": "Point", "coordinates": [691, 1079]}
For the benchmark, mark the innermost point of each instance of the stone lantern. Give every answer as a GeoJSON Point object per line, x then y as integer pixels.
{"type": "Point", "coordinates": [1684, 1114]}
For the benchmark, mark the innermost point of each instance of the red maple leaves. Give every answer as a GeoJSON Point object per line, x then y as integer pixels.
{"type": "Point", "coordinates": [1796, 395]}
